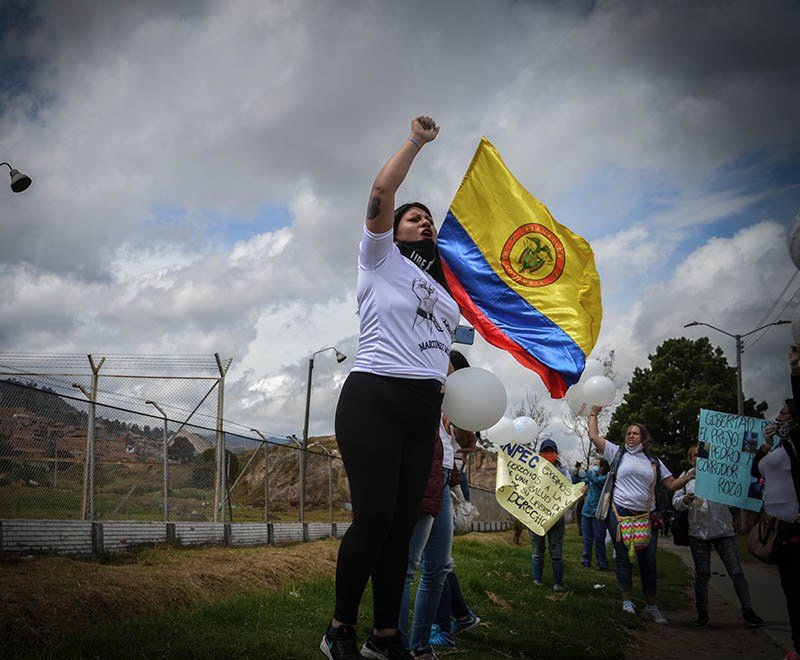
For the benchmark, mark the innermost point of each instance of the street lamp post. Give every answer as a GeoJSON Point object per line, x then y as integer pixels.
{"type": "Point", "coordinates": [166, 462]}
{"type": "Point", "coordinates": [738, 338]}
{"type": "Point", "coordinates": [266, 473]}
{"type": "Point", "coordinates": [329, 454]}
{"type": "Point", "coordinates": [340, 357]}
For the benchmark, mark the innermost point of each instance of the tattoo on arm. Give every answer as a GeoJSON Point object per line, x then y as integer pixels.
{"type": "Point", "coordinates": [374, 208]}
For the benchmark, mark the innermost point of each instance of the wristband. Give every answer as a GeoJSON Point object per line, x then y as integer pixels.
{"type": "Point", "coordinates": [415, 141]}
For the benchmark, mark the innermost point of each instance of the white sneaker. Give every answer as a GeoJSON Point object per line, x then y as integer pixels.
{"type": "Point", "coordinates": [655, 614]}
{"type": "Point", "coordinates": [628, 606]}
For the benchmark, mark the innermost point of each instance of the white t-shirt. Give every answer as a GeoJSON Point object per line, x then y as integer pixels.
{"type": "Point", "coordinates": [407, 319]}
{"type": "Point", "coordinates": [780, 499]}
{"type": "Point", "coordinates": [448, 444]}
{"type": "Point", "coordinates": [634, 478]}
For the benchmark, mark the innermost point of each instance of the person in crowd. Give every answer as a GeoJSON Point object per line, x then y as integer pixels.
{"type": "Point", "coordinates": [453, 616]}
{"type": "Point", "coordinates": [594, 530]}
{"type": "Point", "coordinates": [633, 479]}
{"type": "Point", "coordinates": [555, 535]}
{"type": "Point", "coordinates": [577, 474]}
{"type": "Point", "coordinates": [711, 525]}
{"type": "Point", "coordinates": [778, 462]}
{"type": "Point", "coordinates": [432, 539]}
{"type": "Point", "coordinates": [387, 418]}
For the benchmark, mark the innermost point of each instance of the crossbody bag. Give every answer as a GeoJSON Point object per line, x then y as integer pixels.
{"type": "Point", "coordinates": [634, 532]}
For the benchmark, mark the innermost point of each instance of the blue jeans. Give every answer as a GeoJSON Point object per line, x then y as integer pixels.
{"type": "Point", "coordinates": [594, 534]}
{"type": "Point", "coordinates": [646, 558]}
{"type": "Point", "coordinates": [726, 549]}
{"type": "Point", "coordinates": [431, 545]}
{"type": "Point", "coordinates": [555, 540]}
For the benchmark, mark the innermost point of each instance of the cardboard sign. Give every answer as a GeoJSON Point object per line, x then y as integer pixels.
{"type": "Point", "coordinates": [532, 489]}
{"type": "Point", "coordinates": [726, 448]}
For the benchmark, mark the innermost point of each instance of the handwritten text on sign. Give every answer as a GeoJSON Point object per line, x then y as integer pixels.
{"type": "Point", "coordinates": [531, 489]}
{"type": "Point", "coordinates": [727, 445]}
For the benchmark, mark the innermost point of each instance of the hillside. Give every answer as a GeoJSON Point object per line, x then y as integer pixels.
{"type": "Point", "coordinates": [284, 470]}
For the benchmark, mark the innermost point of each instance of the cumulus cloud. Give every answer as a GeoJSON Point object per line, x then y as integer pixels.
{"type": "Point", "coordinates": [151, 128]}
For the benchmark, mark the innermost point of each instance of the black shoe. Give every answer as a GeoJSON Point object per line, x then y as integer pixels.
{"type": "Point", "coordinates": [390, 648]}
{"type": "Point", "coordinates": [752, 618]}
{"type": "Point", "coordinates": [340, 644]}
{"type": "Point", "coordinates": [701, 620]}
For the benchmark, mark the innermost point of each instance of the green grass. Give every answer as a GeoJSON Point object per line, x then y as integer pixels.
{"type": "Point", "coordinates": [520, 619]}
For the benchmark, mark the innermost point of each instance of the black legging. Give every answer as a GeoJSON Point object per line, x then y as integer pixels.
{"type": "Point", "coordinates": [386, 429]}
{"type": "Point", "coordinates": [789, 570]}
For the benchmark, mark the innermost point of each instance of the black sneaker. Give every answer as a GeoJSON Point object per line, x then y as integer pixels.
{"type": "Point", "coordinates": [752, 618]}
{"type": "Point", "coordinates": [340, 644]}
{"type": "Point", "coordinates": [385, 648]}
{"type": "Point", "coordinates": [701, 620]}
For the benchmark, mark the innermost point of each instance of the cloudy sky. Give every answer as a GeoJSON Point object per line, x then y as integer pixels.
{"type": "Point", "coordinates": [201, 171]}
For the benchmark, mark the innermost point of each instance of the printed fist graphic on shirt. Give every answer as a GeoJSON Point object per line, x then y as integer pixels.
{"type": "Point", "coordinates": [427, 295]}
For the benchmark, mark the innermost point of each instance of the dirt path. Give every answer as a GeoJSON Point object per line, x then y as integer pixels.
{"type": "Point", "coordinates": [726, 636]}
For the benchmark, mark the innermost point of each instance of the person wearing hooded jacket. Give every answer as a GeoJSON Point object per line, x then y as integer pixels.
{"type": "Point", "coordinates": [555, 535]}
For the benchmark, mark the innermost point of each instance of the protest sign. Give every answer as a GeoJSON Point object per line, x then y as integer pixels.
{"type": "Point", "coordinates": [726, 448]}
{"type": "Point", "coordinates": [532, 489]}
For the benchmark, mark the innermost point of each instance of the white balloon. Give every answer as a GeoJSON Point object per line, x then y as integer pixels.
{"type": "Point", "coordinates": [526, 429]}
{"type": "Point", "coordinates": [796, 327]}
{"type": "Point", "coordinates": [793, 240]}
{"type": "Point", "coordinates": [577, 401]}
{"type": "Point", "coordinates": [599, 391]}
{"type": "Point", "coordinates": [593, 368]}
{"type": "Point", "coordinates": [474, 399]}
{"type": "Point", "coordinates": [502, 433]}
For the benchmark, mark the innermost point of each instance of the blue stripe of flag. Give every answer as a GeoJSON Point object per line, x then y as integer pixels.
{"type": "Point", "coordinates": [512, 314]}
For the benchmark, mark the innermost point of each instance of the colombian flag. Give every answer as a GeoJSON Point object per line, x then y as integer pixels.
{"type": "Point", "coordinates": [526, 283]}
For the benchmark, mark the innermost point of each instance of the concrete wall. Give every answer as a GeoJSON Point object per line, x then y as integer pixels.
{"type": "Point", "coordinates": [77, 537]}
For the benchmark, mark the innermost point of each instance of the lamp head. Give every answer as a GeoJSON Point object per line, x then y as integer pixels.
{"type": "Point", "coordinates": [340, 357]}
{"type": "Point", "coordinates": [19, 181]}
{"type": "Point", "coordinates": [689, 325]}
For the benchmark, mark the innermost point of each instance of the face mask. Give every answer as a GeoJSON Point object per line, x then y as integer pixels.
{"type": "Point", "coordinates": [421, 253]}
{"type": "Point", "coordinates": [550, 456]}
{"type": "Point", "coordinates": [636, 449]}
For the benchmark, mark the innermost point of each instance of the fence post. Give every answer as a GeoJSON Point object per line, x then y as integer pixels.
{"type": "Point", "coordinates": [172, 537]}
{"type": "Point", "coordinates": [219, 481]}
{"type": "Point", "coordinates": [88, 504]}
{"type": "Point", "coordinates": [266, 482]}
{"type": "Point", "coordinates": [98, 546]}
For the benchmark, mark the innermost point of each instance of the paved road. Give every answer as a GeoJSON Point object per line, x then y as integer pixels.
{"type": "Point", "coordinates": [765, 592]}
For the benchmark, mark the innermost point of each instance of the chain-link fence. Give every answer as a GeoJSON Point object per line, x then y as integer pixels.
{"type": "Point", "coordinates": [150, 467]}
{"type": "Point", "coordinates": [118, 444]}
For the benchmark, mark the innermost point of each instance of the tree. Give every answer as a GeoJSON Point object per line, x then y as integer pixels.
{"type": "Point", "coordinates": [684, 376]}
{"type": "Point", "coordinates": [533, 406]}
{"type": "Point", "coordinates": [580, 425]}
{"type": "Point", "coordinates": [181, 450]}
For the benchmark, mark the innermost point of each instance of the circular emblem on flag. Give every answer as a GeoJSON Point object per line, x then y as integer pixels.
{"type": "Point", "coordinates": [533, 256]}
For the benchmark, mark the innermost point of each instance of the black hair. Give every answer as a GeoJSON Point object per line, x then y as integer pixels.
{"type": "Point", "coordinates": [400, 211]}
{"type": "Point", "coordinates": [605, 467]}
{"type": "Point", "coordinates": [458, 360]}
{"type": "Point", "coordinates": [792, 409]}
